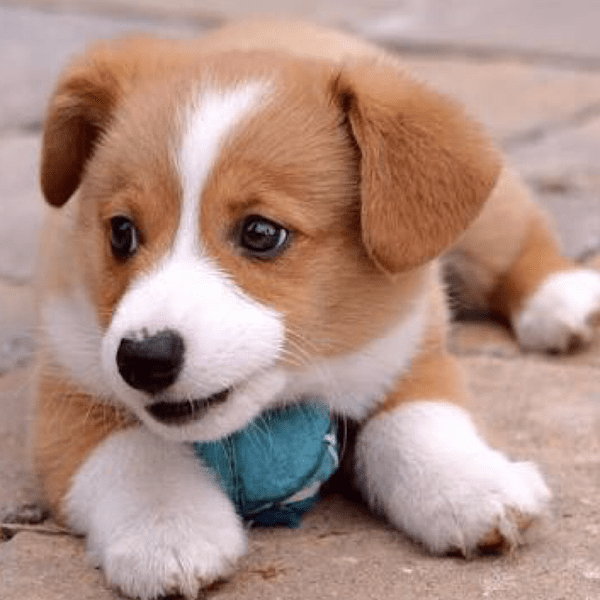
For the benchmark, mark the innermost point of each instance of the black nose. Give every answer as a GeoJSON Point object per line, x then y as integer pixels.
{"type": "Point", "coordinates": [153, 363]}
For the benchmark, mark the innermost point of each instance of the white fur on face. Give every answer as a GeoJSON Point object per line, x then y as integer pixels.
{"type": "Point", "coordinates": [352, 385]}
{"type": "Point", "coordinates": [427, 469]}
{"type": "Point", "coordinates": [156, 520]}
{"type": "Point", "coordinates": [207, 126]}
{"type": "Point", "coordinates": [72, 331]}
{"type": "Point", "coordinates": [230, 339]}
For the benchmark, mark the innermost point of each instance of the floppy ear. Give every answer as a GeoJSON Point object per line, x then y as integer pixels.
{"type": "Point", "coordinates": [82, 107]}
{"type": "Point", "coordinates": [425, 169]}
{"type": "Point", "coordinates": [79, 111]}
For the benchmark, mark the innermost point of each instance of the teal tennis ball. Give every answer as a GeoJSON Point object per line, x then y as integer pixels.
{"type": "Point", "coordinates": [273, 468]}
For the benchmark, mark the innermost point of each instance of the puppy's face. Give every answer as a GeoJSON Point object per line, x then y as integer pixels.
{"type": "Point", "coordinates": [236, 228]}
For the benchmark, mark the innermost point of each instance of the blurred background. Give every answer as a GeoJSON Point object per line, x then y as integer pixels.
{"type": "Point", "coordinates": [530, 71]}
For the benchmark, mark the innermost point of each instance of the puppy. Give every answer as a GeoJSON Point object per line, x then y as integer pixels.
{"type": "Point", "coordinates": [250, 219]}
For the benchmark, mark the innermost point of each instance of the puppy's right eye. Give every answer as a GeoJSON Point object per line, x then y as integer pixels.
{"type": "Point", "coordinates": [124, 238]}
{"type": "Point", "coordinates": [262, 238]}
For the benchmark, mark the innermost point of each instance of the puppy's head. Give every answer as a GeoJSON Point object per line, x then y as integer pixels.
{"type": "Point", "coordinates": [240, 217]}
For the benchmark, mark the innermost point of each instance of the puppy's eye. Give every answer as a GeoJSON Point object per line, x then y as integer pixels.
{"type": "Point", "coordinates": [124, 238]}
{"type": "Point", "coordinates": [263, 238]}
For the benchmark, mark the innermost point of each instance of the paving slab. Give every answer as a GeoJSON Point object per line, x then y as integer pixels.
{"type": "Point", "coordinates": [563, 167]}
{"type": "Point", "coordinates": [48, 567]}
{"type": "Point", "coordinates": [17, 326]}
{"type": "Point", "coordinates": [569, 150]}
{"type": "Point", "coordinates": [37, 45]}
{"type": "Point", "coordinates": [540, 28]}
{"type": "Point", "coordinates": [543, 29]}
{"type": "Point", "coordinates": [16, 484]}
{"type": "Point", "coordinates": [330, 11]}
{"type": "Point", "coordinates": [21, 213]}
{"type": "Point", "coordinates": [21, 205]}
{"type": "Point", "coordinates": [516, 101]}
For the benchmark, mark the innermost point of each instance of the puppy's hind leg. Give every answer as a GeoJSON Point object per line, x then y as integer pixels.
{"type": "Point", "coordinates": [510, 262]}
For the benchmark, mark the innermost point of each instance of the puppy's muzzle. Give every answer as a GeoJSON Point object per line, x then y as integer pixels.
{"type": "Point", "coordinates": [153, 363]}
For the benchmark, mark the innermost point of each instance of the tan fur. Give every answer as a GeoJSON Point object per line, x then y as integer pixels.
{"type": "Point", "coordinates": [434, 374]}
{"type": "Point", "coordinates": [68, 425]}
{"type": "Point", "coordinates": [374, 93]}
{"type": "Point", "coordinates": [84, 103]}
{"type": "Point", "coordinates": [393, 174]}
{"type": "Point", "coordinates": [508, 250]}
{"type": "Point", "coordinates": [413, 208]}
{"type": "Point", "coordinates": [345, 223]}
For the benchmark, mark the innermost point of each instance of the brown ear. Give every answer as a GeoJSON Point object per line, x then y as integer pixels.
{"type": "Point", "coordinates": [79, 111]}
{"type": "Point", "coordinates": [82, 108]}
{"type": "Point", "coordinates": [425, 169]}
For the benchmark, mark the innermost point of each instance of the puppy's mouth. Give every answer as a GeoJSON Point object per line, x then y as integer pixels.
{"type": "Point", "coordinates": [176, 413]}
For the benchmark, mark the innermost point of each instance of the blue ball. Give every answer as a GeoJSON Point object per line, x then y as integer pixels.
{"type": "Point", "coordinates": [273, 468]}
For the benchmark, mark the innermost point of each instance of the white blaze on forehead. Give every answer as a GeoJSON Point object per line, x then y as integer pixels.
{"type": "Point", "coordinates": [208, 121]}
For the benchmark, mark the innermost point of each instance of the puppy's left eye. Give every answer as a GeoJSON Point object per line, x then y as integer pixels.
{"type": "Point", "coordinates": [124, 237]}
{"type": "Point", "coordinates": [262, 238]}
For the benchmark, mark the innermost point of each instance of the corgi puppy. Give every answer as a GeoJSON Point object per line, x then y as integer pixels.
{"type": "Point", "coordinates": [251, 219]}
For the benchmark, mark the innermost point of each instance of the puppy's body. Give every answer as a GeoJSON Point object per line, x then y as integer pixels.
{"type": "Point", "coordinates": [256, 218]}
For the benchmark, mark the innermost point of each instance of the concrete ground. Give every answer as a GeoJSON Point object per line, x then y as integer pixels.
{"type": "Point", "coordinates": [531, 72]}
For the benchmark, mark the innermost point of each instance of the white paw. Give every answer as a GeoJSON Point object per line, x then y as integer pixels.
{"type": "Point", "coordinates": [180, 554]}
{"type": "Point", "coordinates": [156, 521]}
{"type": "Point", "coordinates": [427, 470]}
{"type": "Point", "coordinates": [561, 314]}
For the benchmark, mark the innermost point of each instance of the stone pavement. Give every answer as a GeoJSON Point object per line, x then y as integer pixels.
{"type": "Point", "coordinates": [531, 72]}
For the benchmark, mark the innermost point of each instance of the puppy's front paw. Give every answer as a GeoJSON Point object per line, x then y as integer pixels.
{"type": "Point", "coordinates": [561, 314]}
{"type": "Point", "coordinates": [154, 555]}
{"type": "Point", "coordinates": [155, 519]}
{"type": "Point", "coordinates": [425, 467]}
